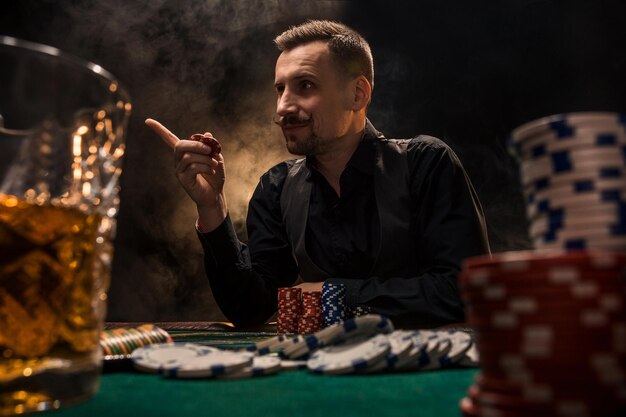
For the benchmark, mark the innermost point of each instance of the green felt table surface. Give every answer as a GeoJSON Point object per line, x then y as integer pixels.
{"type": "Point", "coordinates": [293, 393]}
{"type": "Point", "coordinates": [296, 393]}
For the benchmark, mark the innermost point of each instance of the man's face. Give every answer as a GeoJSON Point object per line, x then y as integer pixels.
{"type": "Point", "coordinates": [313, 98]}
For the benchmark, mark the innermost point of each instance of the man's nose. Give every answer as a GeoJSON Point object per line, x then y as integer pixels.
{"type": "Point", "coordinates": [286, 103]}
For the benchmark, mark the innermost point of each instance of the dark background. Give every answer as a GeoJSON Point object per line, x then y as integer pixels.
{"type": "Point", "coordinates": [465, 71]}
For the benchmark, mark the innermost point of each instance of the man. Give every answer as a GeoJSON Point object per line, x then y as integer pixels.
{"type": "Point", "coordinates": [391, 220]}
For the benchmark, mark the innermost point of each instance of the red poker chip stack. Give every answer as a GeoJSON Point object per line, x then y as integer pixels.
{"type": "Point", "coordinates": [311, 319]}
{"type": "Point", "coordinates": [551, 332]}
{"type": "Point", "coordinates": [289, 310]}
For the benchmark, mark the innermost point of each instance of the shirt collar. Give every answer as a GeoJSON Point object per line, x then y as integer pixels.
{"type": "Point", "coordinates": [363, 157]}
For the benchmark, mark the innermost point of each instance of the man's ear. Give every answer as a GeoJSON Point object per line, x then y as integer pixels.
{"type": "Point", "coordinates": [362, 93]}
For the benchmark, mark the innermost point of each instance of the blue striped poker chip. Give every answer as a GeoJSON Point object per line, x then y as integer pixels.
{"type": "Point", "coordinates": [216, 363]}
{"type": "Point", "coordinates": [461, 343]}
{"type": "Point", "coordinates": [261, 366]}
{"type": "Point", "coordinates": [355, 356]}
{"type": "Point", "coordinates": [565, 125]}
{"type": "Point", "coordinates": [302, 346]}
{"type": "Point", "coordinates": [551, 223]}
{"type": "Point", "coordinates": [581, 139]}
{"type": "Point", "coordinates": [157, 357]}
{"type": "Point", "coordinates": [579, 179]}
{"type": "Point", "coordinates": [581, 186]}
{"type": "Point", "coordinates": [565, 162]}
{"type": "Point", "coordinates": [614, 243]}
{"type": "Point", "coordinates": [545, 204]}
{"type": "Point", "coordinates": [402, 353]}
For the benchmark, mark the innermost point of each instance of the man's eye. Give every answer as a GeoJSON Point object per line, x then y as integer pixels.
{"type": "Point", "coordinates": [306, 85]}
{"type": "Point", "coordinates": [280, 89]}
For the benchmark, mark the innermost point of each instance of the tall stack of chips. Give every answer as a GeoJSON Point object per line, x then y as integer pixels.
{"type": "Point", "coordinates": [311, 319]}
{"type": "Point", "coordinates": [333, 303]}
{"type": "Point", "coordinates": [289, 309]}
{"type": "Point", "coordinates": [551, 323]}
{"type": "Point", "coordinates": [573, 171]}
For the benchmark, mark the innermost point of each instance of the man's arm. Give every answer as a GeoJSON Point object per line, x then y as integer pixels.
{"type": "Point", "coordinates": [245, 278]}
{"type": "Point", "coordinates": [447, 227]}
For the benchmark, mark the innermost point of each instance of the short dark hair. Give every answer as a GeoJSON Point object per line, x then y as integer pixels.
{"type": "Point", "coordinates": [347, 47]}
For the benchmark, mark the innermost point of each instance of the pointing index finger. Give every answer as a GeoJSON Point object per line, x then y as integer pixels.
{"type": "Point", "coordinates": [168, 137]}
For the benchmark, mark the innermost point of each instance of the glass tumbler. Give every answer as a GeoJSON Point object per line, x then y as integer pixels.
{"type": "Point", "coordinates": [62, 127]}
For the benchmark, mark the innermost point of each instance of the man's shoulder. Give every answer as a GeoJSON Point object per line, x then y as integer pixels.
{"type": "Point", "coordinates": [418, 144]}
{"type": "Point", "coordinates": [276, 175]}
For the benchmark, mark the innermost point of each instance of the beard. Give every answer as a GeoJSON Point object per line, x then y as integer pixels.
{"type": "Point", "coordinates": [308, 145]}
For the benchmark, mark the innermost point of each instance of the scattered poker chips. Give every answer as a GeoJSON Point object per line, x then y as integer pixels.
{"type": "Point", "coordinates": [366, 344]}
{"type": "Point", "coordinates": [350, 357]}
{"type": "Point", "coordinates": [573, 170]}
{"type": "Point", "coordinates": [119, 343]}
{"type": "Point", "coordinates": [551, 330]}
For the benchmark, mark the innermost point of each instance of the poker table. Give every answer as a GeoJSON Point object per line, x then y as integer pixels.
{"type": "Point", "coordinates": [124, 391]}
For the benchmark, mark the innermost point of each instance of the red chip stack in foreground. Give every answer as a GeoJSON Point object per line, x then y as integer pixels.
{"type": "Point", "coordinates": [311, 319]}
{"type": "Point", "coordinates": [289, 309]}
{"type": "Point", "coordinates": [551, 331]}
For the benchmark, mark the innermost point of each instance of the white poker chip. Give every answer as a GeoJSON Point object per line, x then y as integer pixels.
{"type": "Point", "coordinates": [461, 343]}
{"type": "Point", "coordinates": [613, 243]}
{"type": "Point", "coordinates": [350, 357]}
{"type": "Point", "coordinates": [470, 358]}
{"type": "Point", "coordinates": [358, 327]}
{"type": "Point", "coordinates": [154, 358]}
{"type": "Point", "coordinates": [429, 350]}
{"type": "Point", "coordinates": [261, 366]}
{"type": "Point", "coordinates": [214, 363]}
{"type": "Point", "coordinates": [533, 171]}
{"type": "Point", "coordinates": [546, 125]}
{"type": "Point", "coordinates": [292, 365]}
{"type": "Point", "coordinates": [585, 138]}
{"type": "Point", "coordinates": [402, 353]}
{"type": "Point", "coordinates": [438, 346]}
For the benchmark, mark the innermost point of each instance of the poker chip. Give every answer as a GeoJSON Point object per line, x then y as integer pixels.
{"type": "Point", "coordinates": [261, 366]}
{"type": "Point", "coordinates": [400, 355]}
{"type": "Point", "coordinates": [213, 363]}
{"type": "Point", "coordinates": [155, 358]}
{"type": "Point", "coordinates": [349, 357]}
{"type": "Point", "coordinates": [299, 346]}
{"type": "Point", "coordinates": [289, 310]}
{"type": "Point", "coordinates": [471, 358]}
{"type": "Point", "coordinates": [292, 365]}
{"type": "Point", "coordinates": [551, 331]}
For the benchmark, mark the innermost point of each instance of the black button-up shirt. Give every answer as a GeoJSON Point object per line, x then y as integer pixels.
{"type": "Point", "coordinates": [343, 235]}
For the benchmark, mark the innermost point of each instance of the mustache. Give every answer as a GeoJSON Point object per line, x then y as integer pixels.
{"type": "Point", "coordinates": [291, 119]}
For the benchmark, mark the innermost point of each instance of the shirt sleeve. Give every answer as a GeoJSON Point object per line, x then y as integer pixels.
{"type": "Point", "coordinates": [245, 278]}
{"type": "Point", "coordinates": [448, 226]}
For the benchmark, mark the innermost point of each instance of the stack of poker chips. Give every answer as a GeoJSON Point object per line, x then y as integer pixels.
{"type": "Point", "coordinates": [551, 332]}
{"type": "Point", "coordinates": [289, 309]}
{"type": "Point", "coordinates": [573, 171]}
{"type": "Point", "coordinates": [311, 319]}
{"type": "Point", "coordinates": [551, 323]}
{"type": "Point", "coordinates": [333, 303]}
{"type": "Point", "coordinates": [121, 342]}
